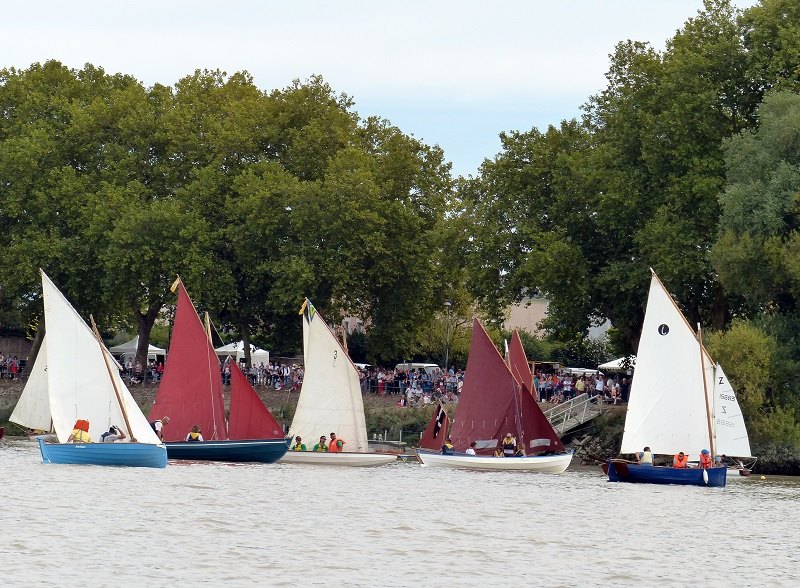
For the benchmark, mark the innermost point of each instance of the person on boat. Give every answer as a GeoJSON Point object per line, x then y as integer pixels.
{"type": "Point", "coordinates": [447, 448]}
{"type": "Point", "coordinates": [705, 459]}
{"type": "Point", "coordinates": [158, 426]}
{"type": "Point", "coordinates": [471, 448]}
{"type": "Point", "coordinates": [499, 452]}
{"type": "Point", "coordinates": [80, 432]}
{"type": "Point", "coordinates": [509, 445]}
{"type": "Point", "coordinates": [645, 456]}
{"type": "Point", "coordinates": [336, 444]}
{"type": "Point", "coordinates": [113, 434]}
{"type": "Point", "coordinates": [519, 451]}
{"type": "Point", "coordinates": [195, 434]}
{"type": "Point", "coordinates": [680, 460]}
{"type": "Point", "coordinates": [322, 446]}
{"type": "Point", "coordinates": [298, 444]}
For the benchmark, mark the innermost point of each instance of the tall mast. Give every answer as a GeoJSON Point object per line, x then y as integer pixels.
{"type": "Point", "coordinates": [705, 391]}
{"type": "Point", "coordinates": [111, 377]}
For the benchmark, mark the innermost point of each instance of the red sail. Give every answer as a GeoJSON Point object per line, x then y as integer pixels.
{"type": "Point", "coordinates": [249, 418]}
{"type": "Point", "coordinates": [518, 363]}
{"type": "Point", "coordinates": [190, 392]}
{"type": "Point", "coordinates": [436, 432]}
{"type": "Point", "coordinates": [492, 404]}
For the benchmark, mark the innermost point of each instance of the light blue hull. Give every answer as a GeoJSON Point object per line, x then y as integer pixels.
{"type": "Point", "coordinates": [254, 450]}
{"type": "Point", "coordinates": [137, 455]}
{"type": "Point", "coordinates": [622, 471]}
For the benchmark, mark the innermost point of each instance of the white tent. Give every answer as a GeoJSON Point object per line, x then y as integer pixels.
{"type": "Point", "coordinates": [623, 364]}
{"type": "Point", "coordinates": [236, 350]}
{"type": "Point", "coordinates": [128, 350]}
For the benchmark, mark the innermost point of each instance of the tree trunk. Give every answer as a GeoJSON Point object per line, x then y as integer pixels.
{"type": "Point", "coordinates": [145, 322]}
{"type": "Point", "coordinates": [244, 330]}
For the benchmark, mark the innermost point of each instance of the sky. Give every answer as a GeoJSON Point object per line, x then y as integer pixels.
{"type": "Point", "coordinates": [453, 73]}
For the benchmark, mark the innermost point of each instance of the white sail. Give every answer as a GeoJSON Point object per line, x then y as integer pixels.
{"type": "Point", "coordinates": [330, 399]}
{"type": "Point", "coordinates": [78, 379]}
{"type": "Point", "coordinates": [33, 409]}
{"type": "Point", "coordinates": [729, 428]}
{"type": "Point", "coordinates": [667, 407]}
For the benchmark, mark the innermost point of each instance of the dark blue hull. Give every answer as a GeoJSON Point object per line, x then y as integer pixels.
{"type": "Point", "coordinates": [622, 471]}
{"type": "Point", "coordinates": [254, 450]}
{"type": "Point", "coordinates": [137, 455]}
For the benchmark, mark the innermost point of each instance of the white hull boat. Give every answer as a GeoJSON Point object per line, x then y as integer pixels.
{"type": "Point", "coordinates": [552, 464]}
{"type": "Point", "coordinates": [343, 458]}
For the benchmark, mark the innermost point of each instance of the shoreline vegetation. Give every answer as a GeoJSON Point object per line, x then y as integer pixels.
{"type": "Point", "coordinates": [597, 440]}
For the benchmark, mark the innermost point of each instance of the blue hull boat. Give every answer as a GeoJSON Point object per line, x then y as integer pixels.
{"type": "Point", "coordinates": [138, 455]}
{"type": "Point", "coordinates": [259, 450]}
{"type": "Point", "coordinates": [623, 471]}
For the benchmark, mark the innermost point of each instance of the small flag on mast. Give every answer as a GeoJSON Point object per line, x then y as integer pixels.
{"type": "Point", "coordinates": [174, 286]}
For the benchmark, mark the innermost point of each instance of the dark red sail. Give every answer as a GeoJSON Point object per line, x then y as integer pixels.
{"type": "Point", "coordinates": [190, 392]}
{"type": "Point", "coordinates": [518, 363]}
{"type": "Point", "coordinates": [492, 403]}
{"type": "Point", "coordinates": [436, 432]}
{"type": "Point", "coordinates": [249, 418]}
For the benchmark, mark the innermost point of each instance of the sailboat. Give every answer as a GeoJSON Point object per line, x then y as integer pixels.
{"type": "Point", "coordinates": [492, 403]}
{"type": "Point", "coordinates": [330, 400]}
{"type": "Point", "coordinates": [75, 377]}
{"type": "Point", "coordinates": [672, 408]}
{"type": "Point", "coordinates": [435, 433]}
{"type": "Point", "coordinates": [190, 394]}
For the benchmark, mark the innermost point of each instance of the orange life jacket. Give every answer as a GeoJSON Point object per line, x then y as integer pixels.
{"type": "Point", "coordinates": [680, 462]}
{"type": "Point", "coordinates": [82, 425]}
{"type": "Point", "coordinates": [334, 446]}
{"type": "Point", "coordinates": [705, 460]}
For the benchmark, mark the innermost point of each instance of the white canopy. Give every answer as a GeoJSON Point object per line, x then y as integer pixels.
{"type": "Point", "coordinates": [128, 349]}
{"type": "Point", "coordinates": [622, 364]}
{"type": "Point", "coordinates": [236, 350]}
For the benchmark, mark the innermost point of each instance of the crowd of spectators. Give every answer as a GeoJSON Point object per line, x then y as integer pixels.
{"type": "Point", "coordinates": [557, 388]}
{"type": "Point", "coordinates": [10, 367]}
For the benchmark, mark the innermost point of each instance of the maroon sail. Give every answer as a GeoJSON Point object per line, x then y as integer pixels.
{"type": "Point", "coordinates": [436, 432]}
{"type": "Point", "coordinates": [249, 418]}
{"type": "Point", "coordinates": [518, 363]}
{"type": "Point", "coordinates": [190, 392]}
{"type": "Point", "coordinates": [492, 403]}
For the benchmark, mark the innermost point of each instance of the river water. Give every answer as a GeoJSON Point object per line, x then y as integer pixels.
{"type": "Point", "coordinates": [398, 525]}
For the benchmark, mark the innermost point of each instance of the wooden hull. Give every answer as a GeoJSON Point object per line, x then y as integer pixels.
{"type": "Point", "coordinates": [141, 455]}
{"type": "Point", "coordinates": [343, 458]}
{"type": "Point", "coordinates": [553, 464]}
{"type": "Point", "coordinates": [623, 471]}
{"type": "Point", "coordinates": [253, 450]}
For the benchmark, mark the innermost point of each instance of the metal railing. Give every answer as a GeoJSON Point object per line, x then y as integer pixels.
{"type": "Point", "coordinates": [570, 414]}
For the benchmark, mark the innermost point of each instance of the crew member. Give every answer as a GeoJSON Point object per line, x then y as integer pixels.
{"type": "Point", "coordinates": [646, 456]}
{"type": "Point", "coordinates": [509, 445]}
{"type": "Point", "coordinates": [194, 434]}
{"type": "Point", "coordinates": [336, 444]}
{"type": "Point", "coordinates": [158, 426]}
{"type": "Point", "coordinates": [113, 434]}
{"type": "Point", "coordinates": [322, 446]}
{"type": "Point", "coordinates": [447, 448]}
{"type": "Point", "coordinates": [298, 444]}
{"type": "Point", "coordinates": [80, 432]}
{"type": "Point", "coordinates": [705, 459]}
{"type": "Point", "coordinates": [680, 460]}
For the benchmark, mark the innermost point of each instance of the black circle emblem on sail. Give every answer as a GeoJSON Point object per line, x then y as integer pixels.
{"type": "Point", "coordinates": [663, 329]}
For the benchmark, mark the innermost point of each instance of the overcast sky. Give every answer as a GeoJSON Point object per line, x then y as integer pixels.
{"type": "Point", "coordinates": [451, 72]}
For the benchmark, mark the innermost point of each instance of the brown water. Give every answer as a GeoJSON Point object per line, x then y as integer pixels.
{"type": "Point", "coordinates": [398, 525]}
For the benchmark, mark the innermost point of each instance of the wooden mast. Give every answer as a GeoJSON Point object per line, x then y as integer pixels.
{"type": "Point", "coordinates": [113, 383]}
{"type": "Point", "coordinates": [705, 391]}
